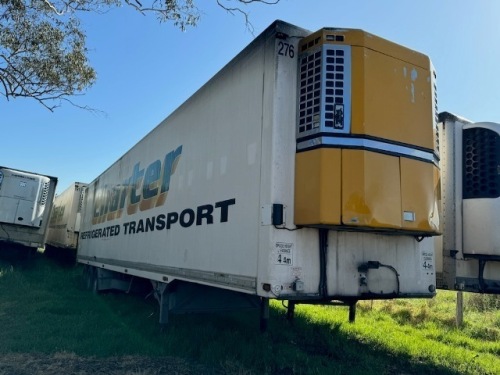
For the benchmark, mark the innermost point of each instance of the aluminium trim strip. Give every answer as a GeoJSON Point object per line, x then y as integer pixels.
{"type": "Point", "coordinates": [369, 144]}
{"type": "Point", "coordinates": [364, 136]}
{"type": "Point", "coordinates": [224, 279]}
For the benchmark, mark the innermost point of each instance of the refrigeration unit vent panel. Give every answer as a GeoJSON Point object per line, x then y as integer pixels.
{"type": "Point", "coordinates": [324, 90]}
{"type": "Point", "coordinates": [481, 166]}
{"type": "Point", "coordinates": [481, 190]}
{"type": "Point", "coordinates": [45, 193]}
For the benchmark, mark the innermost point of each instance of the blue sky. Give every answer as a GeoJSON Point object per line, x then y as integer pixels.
{"type": "Point", "coordinates": [146, 70]}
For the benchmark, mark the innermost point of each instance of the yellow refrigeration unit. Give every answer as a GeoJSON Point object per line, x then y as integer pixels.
{"type": "Point", "coordinates": [366, 135]}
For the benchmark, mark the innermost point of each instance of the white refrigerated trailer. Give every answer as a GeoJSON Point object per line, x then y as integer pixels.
{"type": "Point", "coordinates": [305, 170]}
{"type": "Point", "coordinates": [65, 219]}
{"type": "Point", "coordinates": [25, 204]}
{"type": "Point", "coordinates": [468, 254]}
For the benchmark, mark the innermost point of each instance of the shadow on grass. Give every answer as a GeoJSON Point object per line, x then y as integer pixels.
{"type": "Point", "coordinates": [298, 347]}
{"type": "Point", "coordinates": [62, 317]}
{"type": "Point", "coordinates": [18, 256]}
{"type": "Point", "coordinates": [337, 350]}
{"type": "Point", "coordinates": [62, 257]}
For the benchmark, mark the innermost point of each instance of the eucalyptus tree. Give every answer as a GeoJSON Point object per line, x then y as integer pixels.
{"type": "Point", "coordinates": [43, 51]}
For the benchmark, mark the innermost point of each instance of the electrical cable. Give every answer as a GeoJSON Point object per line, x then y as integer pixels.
{"type": "Point", "coordinates": [288, 229]}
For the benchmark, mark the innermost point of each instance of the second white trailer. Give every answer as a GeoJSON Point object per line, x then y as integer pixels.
{"type": "Point", "coordinates": [468, 253]}
{"type": "Point", "coordinates": [65, 219]}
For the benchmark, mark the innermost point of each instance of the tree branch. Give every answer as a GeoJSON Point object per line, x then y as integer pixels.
{"type": "Point", "coordinates": [51, 6]}
{"type": "Point", "coordinates": [233, 10]}
{"type": "Point", "coordinates": [43, 54]}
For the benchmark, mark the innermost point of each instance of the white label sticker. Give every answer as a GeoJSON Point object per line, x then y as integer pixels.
{"type": "Point", "coordinates": [427, 261]}
{"type": "Point", "coordinates": [283, 253]}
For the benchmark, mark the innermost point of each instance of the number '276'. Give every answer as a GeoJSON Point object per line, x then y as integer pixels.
{"type": "Point", "coordinates": [285, 49]}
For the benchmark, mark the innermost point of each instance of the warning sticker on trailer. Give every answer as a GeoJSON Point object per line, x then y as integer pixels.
{"type": "Point", "coordinates": [283, 253]}
{"type": "Point", "coordinates": [427, 261]}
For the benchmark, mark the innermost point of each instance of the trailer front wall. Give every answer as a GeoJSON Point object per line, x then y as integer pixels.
{"type": "Point", "coordinates": [467, 250]}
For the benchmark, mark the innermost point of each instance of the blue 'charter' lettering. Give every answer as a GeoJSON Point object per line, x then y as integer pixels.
{"type": "Point", "coordinates": [145, 188]}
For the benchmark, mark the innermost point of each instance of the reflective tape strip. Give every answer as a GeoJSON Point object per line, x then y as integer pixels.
{"type": "Point", "coordinates": [369, 144]}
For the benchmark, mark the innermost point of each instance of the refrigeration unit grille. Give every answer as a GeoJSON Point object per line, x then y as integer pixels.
{"type": "Point", "coordinates": [45, 193]}
{"type": "Point", "coordinates": [80, 200]}
{"type": "Point", "coordinates": [481, 167]}
{"type": "Point", "coordinates": [334, 89]}
{"type": "Point", "coordinates": [436, 117]}
{"type": "Point", "coordinates": [310, 92]}
{"type": "Point", "coordinates": [323, 92]}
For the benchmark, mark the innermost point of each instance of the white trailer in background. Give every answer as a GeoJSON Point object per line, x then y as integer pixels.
{"type": "Point", "coordinates": [64, 224]}
{"type": "Point", "coordinates": [25, 204]}
{"type": "Point", "coordinates": [305, 170]}
{"type": "Point", "coordinates": [468, 254]}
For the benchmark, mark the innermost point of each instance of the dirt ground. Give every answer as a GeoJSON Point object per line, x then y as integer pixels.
{"type": "Point", "coordinates": [69, 364]}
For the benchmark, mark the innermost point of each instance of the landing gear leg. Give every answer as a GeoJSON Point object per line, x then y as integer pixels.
{"type": "Point", "coordinates": [290, 313]}
{"type": "Point", "coordinates": [264, 314]}
{"type": "Point", "coordinates": [163, 299]}
{"type": "Point", "coordinates": [352, 311]}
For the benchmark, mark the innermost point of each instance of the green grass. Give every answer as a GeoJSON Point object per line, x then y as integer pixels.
{"type": "Point", "coordinates": [44, 308]}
